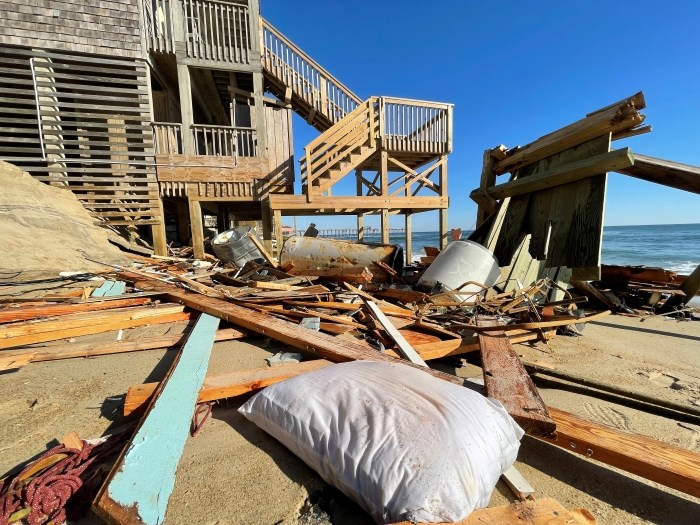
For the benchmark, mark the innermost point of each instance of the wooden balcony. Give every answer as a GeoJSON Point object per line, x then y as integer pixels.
{"type": "Point", "coordinates": [224, 165]}
{"type": "Point", "coordinates": [206, 31]}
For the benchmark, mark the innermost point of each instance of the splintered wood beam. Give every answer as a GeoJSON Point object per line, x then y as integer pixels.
{"type": "Point", "coordinates": [507, 380]}
{"type": "Point", "coordinates": [405, 349]}
{"type": "Point", "coordinates": [616, 118]}
{"type": "Point", "coordinates": [52, 330]}
{"type": "Point", "coordinates": [232, 384]}
{"type": "Point", "coordinates": [25, 313]}
{"type": "Point", "coordinates": [669, 465]}
{"type": "Point", "coordinates": [75, 350]}
{"type": "Point", "coordinates": [559, 175]}
{"type": "Point", "coordinates": [270, 260]}
{"type": "Point", "coordinates": [546, 511]}
{"type": "Point", "coordinates": [137, 489]}
{"type": "Point", "coordinates": [673, 174]}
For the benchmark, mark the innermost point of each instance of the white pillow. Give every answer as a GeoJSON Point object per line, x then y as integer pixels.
{"type": "Point", "coordinates": [400, 442]}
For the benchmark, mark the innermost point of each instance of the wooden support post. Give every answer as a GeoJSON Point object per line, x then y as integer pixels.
{"type": "Point", "coordinates": [259, 117]}
{"type": "Point", "coordinates": [185, 84]}
{"type": "Point", "coordinates": [197, 228]}
{"type": "Point", "coordinates": [222, 220]}
{"type": "Point", "coordinates": [160, 242]}
{"type": "Point", "coordinates": [360, 227]}
{"type": "Point", "coordinates": [277, 226]}
{"type": "Point", "coordinates": [444, 232]}
{"type": "Point", "coordinates": [267, 227]}
{"type": "Point", "coordinates": [138, 488]}
{"type": "Point", "coordinates": [385, 225]}
{"type": "Point", "coordinates": [409, 238]}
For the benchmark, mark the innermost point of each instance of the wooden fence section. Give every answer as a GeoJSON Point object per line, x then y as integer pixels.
{"type": "Point", "coordinates": [289, 67]}
{"type": "Point", "coordinates": [82, 122]}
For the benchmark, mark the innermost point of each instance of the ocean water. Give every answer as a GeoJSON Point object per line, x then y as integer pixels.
{"type": "Point", "coordinates": [674, 247]}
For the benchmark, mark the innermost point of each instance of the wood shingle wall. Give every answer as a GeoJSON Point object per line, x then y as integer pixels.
{"type": "Point", "coordinates": [108, 27]}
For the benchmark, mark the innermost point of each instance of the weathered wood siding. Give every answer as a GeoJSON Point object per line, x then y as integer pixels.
{"type": "Point", "coordinates": [82, 122]}
{"type": "Point", "coordinates": [83, 26]}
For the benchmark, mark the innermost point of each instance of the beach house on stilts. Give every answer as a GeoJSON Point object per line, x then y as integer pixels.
{"type": "Point", "coordinates": [157, 112]}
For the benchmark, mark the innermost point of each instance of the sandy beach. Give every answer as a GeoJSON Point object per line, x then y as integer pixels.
{"type": "Point", "coordinates": [232, 472]}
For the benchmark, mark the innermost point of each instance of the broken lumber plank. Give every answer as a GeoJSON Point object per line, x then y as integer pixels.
{"type": "Point", "coordinates": [546, 511]}
{"type": "Point", "coordinates": [270, 260]}
{"type": "Point", "coordinates": [404, 347]}
{"type": "Point", "coordinates": [562, 174]}
{"type": "Point", "coordinates": [517, 484]}
{"type": "Point", "coordinates": [232, 384]}
{"type": "Point", "coordinates": [352, 289]}
{"type": "Point", "coordinates": [272, 285]}
{"type": "Point", "coordinates": [75, 350]}
{"type": "Point", "coordinates": [349, 307]}
{"type": "Point", "coordinates": [137, 489]}
{"type": "Point", "coordinates": [355, 274]}
{"type": "Point", "coordinates": [673, 174]}
{"type": "Point", "coordinates": [618, 117]}
{"type": "Point", "coordinates": [33, 312]}
{"type": "Point", "coordinates": [663, 463]}
{"type": "Point", "coordinates": [537, 325]}
{"type": "Point", "coordinates": [58, 331]}
{"type": "Point", "coordinates": [507, 380]}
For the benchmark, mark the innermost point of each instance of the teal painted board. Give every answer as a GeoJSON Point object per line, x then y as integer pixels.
{"type": "Point", "coordinates": [110, 289]}
{"type": "Point", "coordinates": [143, 479]}
{"type": "Point", "coordinates": [102, 290]}
{"type": "Point", "coordinates": [118, 288]}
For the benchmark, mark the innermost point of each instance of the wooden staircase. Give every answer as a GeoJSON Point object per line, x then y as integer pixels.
{"type": "Point", "coordinates": [412, 132]}
{"type": "Point", "coordinates": [295, 77]}
{"type": "Point", "coordinates": [340, 149]}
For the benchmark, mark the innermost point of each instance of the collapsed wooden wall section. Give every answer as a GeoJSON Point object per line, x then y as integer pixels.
{"type": "Point", "coordinates": [82, 122]}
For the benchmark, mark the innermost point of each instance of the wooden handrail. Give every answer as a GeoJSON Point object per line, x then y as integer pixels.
{"type": "Point", "coordinates": [307, 79]}
{"type": "Point", "coordinates": [358, 128]}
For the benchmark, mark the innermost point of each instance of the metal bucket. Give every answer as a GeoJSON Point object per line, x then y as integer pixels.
{"type": "Point", "coordinates": [234, 246]}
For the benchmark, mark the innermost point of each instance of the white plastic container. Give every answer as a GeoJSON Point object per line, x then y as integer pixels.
{"type": "Point", "coordinates": [459, 262]}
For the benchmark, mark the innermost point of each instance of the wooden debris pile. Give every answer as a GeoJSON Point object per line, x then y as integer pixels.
{"type": "Point", "coordinates": [641, 290]}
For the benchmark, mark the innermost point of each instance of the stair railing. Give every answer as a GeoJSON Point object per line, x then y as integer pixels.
{"type": "Point", "coordinates": [307, 79]}
{"type": "Point", "coordinates": [356, 129]}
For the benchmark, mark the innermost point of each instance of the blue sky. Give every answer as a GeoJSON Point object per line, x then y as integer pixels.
{"type": "Point", "coordinates": [516, 71]}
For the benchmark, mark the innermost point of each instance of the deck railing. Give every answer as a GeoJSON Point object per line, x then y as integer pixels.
{"type": "Point", "coordinates": [158, 18]}
{"type": "Point", "coordinates": [416, 126]}
{"type": "Point", "coordinates": [167, 137]}
{"type": "Point", "coordinates": [308, 80]}
{"type": "Point", "coordinates": [217, 30]}
{"type": "Point", "coordinates": [209, 140]}
{"type": "Point", "coordinates": [212, 30]}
